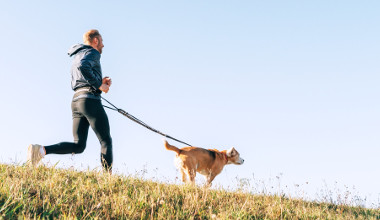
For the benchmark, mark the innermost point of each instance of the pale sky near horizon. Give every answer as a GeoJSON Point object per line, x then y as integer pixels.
{"type": "Point", "coordinates": [293, 85]}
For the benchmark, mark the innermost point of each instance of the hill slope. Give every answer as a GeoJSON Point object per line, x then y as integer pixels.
{"type": "Point", "coordinates": [56, 193]}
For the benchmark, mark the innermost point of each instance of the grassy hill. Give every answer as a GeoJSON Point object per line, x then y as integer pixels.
{"type": "Point", "coordinates": [56, 193]}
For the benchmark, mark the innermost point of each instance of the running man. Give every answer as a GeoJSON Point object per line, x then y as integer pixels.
{"type": "Point", "coordinates": [87, 110]}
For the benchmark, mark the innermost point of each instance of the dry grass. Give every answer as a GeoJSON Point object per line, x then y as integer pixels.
{"type": "Point", "coordinates": [55, 193]}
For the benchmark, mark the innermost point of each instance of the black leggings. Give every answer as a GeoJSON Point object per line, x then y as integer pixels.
{"type": "Point", "coordinates": [87, 112]}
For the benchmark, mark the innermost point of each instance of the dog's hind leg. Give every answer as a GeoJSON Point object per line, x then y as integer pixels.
{"type": "Point", "coordinates": [184, 176]}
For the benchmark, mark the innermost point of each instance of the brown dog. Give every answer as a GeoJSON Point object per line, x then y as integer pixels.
{"type": "Point", "coordinates": [209, 163]}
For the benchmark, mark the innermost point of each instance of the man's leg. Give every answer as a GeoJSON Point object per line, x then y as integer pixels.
{"type": "Point", "coordinates": [80, 133]}
{"type": "Point", "coordinates": [97, 117]}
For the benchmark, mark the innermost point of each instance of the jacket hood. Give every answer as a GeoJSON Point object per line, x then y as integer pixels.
{"type": "Point", "coordinates": [76, 48]}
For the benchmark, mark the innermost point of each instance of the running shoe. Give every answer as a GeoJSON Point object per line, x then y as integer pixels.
{"type": "Point", "coordinates": [34, 154]}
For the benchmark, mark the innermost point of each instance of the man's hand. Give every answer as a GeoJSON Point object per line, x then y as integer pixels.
{"type": "Point", "coordinates": [104, 88]}
{"type": "Point", "coordinates": [106, 80]}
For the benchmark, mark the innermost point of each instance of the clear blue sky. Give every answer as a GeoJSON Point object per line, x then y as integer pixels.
{"type": "Point", "coordinates": [293, 85]}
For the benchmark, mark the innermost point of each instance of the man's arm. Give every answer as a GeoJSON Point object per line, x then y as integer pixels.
{"type": "Point", "coordinates": [86, 68]}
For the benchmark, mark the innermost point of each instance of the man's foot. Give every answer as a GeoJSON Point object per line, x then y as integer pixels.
{"type": "Point", "coordinates": [34, 154]}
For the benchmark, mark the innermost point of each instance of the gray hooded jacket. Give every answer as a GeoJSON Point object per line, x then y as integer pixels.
{"type": "Point", "coordinates": [85, 70]}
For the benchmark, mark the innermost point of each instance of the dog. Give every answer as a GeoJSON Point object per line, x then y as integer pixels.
{"type": "Point", "coordinates": [208, 162]}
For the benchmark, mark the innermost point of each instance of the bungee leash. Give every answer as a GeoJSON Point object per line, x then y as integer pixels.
{"type": "Point", "coordinates": [138, 121]}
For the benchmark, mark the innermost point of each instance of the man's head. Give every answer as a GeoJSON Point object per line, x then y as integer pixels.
{"type": "Point", "coordinates": [94, 39]}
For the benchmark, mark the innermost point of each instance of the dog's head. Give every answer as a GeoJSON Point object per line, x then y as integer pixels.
{"type": "Point", "coordinates": [234, 157]}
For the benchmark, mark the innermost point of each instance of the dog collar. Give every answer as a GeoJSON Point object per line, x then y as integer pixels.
{"type": "Point", "coordinates": [225, 157]}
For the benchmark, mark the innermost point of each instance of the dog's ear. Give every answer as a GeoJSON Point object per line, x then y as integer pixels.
{"type": "Point", "coordinates": [231, 152]}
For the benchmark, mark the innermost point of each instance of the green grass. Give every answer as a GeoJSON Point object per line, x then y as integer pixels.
{"type": "Point", "coordinates": [57, 193]}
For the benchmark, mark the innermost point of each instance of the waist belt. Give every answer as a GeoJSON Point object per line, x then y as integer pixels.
{"type": "Point", "coordinates": [85, 92]}
{"type": "Point", "coordinates": [87, 88]}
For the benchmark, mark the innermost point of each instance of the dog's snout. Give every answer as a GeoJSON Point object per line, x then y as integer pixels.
{"type": "Point", "coordinates": [242, 160]}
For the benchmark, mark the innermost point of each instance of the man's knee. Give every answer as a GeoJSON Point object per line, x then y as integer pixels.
{"type": "Point", "coordinates": [80, 147]}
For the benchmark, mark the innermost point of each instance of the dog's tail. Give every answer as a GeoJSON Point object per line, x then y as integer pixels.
{"type": "Point", "coordinates": [171, 147]}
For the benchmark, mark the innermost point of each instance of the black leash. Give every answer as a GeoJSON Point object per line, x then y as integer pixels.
{"type": "Point", "coordinates": [138, 121]}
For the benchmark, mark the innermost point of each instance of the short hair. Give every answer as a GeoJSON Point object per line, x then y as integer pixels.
{"type": "Point", "coordinates": [89, 36]}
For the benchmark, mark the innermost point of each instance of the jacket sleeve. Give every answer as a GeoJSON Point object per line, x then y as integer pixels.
{"type": "Point", "coordinates": [86, 67]}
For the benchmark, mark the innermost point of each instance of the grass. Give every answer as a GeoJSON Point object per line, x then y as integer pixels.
{"type": "Point", "coordinates": [53, 193]}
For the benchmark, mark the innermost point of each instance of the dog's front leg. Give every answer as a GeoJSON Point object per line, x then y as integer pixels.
{"type": "Point", "coordinates": [210, 178]}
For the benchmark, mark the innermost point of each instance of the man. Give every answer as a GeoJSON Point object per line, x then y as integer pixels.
{"type": "Point", "coordinates": [86, 106]}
